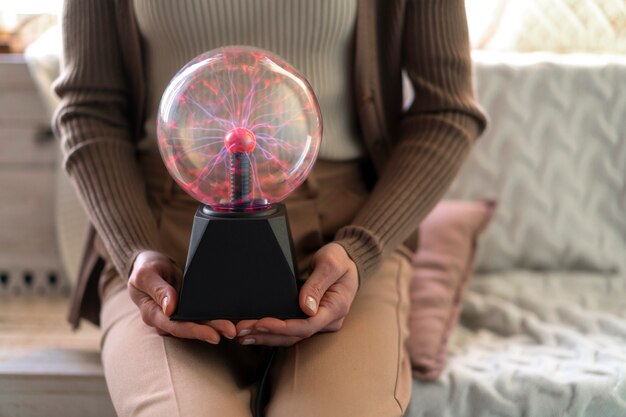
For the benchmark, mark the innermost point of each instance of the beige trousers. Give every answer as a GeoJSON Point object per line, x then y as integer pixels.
{"type": "Point", "coordinates": [361, 370]}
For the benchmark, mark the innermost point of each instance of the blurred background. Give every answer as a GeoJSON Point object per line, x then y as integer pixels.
{"type": "Point", "coordinates": [42, 225]}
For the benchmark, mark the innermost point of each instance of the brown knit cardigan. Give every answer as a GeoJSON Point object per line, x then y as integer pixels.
{"type": "Point", "coordinates": [416, 153]}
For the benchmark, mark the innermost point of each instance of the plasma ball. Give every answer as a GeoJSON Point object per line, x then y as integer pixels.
{"type": "Point", "coordinates": [239, 140]}
{"type": "Point", "coordinates": [239, 127]}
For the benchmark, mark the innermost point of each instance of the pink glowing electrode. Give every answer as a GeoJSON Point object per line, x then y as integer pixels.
{"type": "Point", "coordinates": [239, 139]}
{"type": "Point", "coordinates": [239, 128]}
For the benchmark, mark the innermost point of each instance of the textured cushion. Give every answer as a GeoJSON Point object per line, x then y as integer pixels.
{"type": "Point", "coordinates": [554, 157]}
{"type": "Point", "coordinates": [442, 266]}
{"type": "Point", "coordinates": [537, 344]}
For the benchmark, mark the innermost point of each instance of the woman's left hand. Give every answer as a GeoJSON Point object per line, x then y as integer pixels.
{"type": "Point", "coordinates": [326, 297]}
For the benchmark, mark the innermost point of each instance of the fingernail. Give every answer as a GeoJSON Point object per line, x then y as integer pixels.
{"type": "Point", "coordinates": [261, 329]}
{"type": "Point", "coordinates": [164, 303]}
{"type": "Point", "coordinates": [213, 342]}
{"type": "Point", "coordinates": [311, 304]}
{"type": "Point", "coordinates": [245, 332]}
{"type": "Point", "coordinates": [229, 336]}
{"type": "Point", "coordinates": [248, 341]}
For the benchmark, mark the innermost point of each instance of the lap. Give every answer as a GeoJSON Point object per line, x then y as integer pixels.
{"type": "Point", "coordinates": [361, 370]}
{"type": "Point", "coordinates": [364, 368]}
{"type": "Point", "coordinates": [152, 375]}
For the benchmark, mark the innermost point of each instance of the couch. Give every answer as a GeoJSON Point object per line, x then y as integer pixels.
{"type": "Point", "coordinates": [543, 326]}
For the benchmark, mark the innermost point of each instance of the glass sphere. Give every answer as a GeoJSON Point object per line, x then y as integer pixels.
{"type": "Point", "coordinates": [239, 128]}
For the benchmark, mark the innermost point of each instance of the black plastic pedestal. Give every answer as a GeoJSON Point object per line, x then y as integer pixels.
{"type": "Point", "coordinates": [240, 266]}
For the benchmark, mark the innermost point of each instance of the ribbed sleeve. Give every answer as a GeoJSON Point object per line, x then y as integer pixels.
{"type": "Point", "coordinates": [436, 133]}
{"type": "Point", "coordinates": [94, 125]}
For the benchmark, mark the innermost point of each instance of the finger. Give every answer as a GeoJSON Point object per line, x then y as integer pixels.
{"type": "Point", "coordinates": [270, 340]}
{"type": "Point", "coordinates": [159, 290]}
{"type": "Point", "coordinates": [186, 329]}
{"type": "Point", "coordinates": [335, 326]}
{"type": "Point", "coordinates": [153, 316]}
{"type": "Point", "coordinates": [302, 328]}
{"type": "Point", "coordinates": [225, 327]}
{"type": "Point", "coordinates": [257, 335]}
{"type": "Point", "coordinates": [244, 327]}
{"type": "Point", "coordinates": [325, 273]}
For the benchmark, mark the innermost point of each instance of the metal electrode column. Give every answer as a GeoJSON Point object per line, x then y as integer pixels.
{"type": "Point", "coordinates": [240, 142]}
{"type": "Point", "coordinates": [239, 178]}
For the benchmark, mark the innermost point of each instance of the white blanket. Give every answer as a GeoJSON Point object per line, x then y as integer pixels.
{"type": "Point", "coordinates": [534, 345]}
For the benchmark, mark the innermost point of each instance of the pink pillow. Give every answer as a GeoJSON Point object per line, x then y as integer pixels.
{"type": "Point", "coordinates": [442, 266]}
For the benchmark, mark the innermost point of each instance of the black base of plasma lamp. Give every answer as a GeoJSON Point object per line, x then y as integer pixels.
{"type": "Point", "coordinates": [240, 266]}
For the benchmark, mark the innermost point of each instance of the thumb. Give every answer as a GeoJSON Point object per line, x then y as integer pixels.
{"type": "Point", "coordinates": [150, 286]}
{"type": "Point", "coordinates": [323, 276]}
{"type": "Point", "coordinates": [169, 301]}
{"type": "Point", "coordinates": [165, 294]}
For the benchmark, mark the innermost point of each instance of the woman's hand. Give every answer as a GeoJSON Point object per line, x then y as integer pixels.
{"type": "Point", "coordinates": [326, 296]}
{"type": "Point", "coordinates": [149, 287]}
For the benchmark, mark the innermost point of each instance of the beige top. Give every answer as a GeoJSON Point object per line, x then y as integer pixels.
{"type": "Point", "coordinates": [316, 37]}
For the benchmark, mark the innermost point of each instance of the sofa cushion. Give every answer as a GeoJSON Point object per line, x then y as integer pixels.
{"type": "Point", "coordinates": [554, 156]}
{"type": "Point", "coordinates": [442, 266]}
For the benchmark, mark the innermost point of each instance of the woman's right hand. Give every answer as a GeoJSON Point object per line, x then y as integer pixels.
{"type": "Point", "coordinates": [150, 289]}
